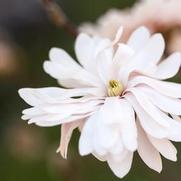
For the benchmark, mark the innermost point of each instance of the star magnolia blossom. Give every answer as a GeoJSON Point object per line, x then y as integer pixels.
{"type": "Point", "coordinates": [115, 96]}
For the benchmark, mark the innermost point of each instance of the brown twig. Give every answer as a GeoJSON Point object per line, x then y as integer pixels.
{"type": "Point", "coordinates": [59, 18]}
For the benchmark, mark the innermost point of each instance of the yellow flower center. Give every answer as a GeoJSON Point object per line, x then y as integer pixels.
{"type": "Point", "coordinates": [115, 88]}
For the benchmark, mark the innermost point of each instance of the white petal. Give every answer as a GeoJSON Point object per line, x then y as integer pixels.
{"type": "Point", "coordinates": [165, 147]}
{"type": "Point", "coordinates": [153, 111]}
{"type": "Point", "coordinates": [122, 55]}
{"type": "Point", "coordinates": [105, 65]}
{"type": "Point", "coordinates": [54, 95]}
{"type": "Point", "coordinates": [151, 53]}
{"type": "Point", "coordinates": [118, 147]}
{"type": "Point", "coordinates": [146, 59]}
{"type": "Point", "coordinates": [99, 157]}
{"type": "Point", "coordinates": [49, 107]}
{"type": "Point", "coordinates": [139, 38]}
{"type": "Point", "coordinates": [169, 67]}
{"type": "Point", "coordinates": [59, 55]}
{"type": "Point", "coordinates": [165, 103]}
{"type": "Point", "coordinates": [87, 48]}
{"type": "Point", "coordinates": [119, 115]}
{"type": "Point", "coordinates": [147, 152]}
{"type": "Point", "coordinates": [173, 131]}
{"type": "Point", "coordinates": [63, 74]}
{"type": "Point", "coordinates": [87, 135]}
{"type": "Point", "coordinates": [106, 136]}
{"type": "Point", "coordinates": [121, 165]}
{"type": "Point", "coordinates": [166, 88]}
{"type": "Point", "coordinates": [149, 125]}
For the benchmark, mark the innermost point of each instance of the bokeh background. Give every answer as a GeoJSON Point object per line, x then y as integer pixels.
{"type": "Point", "coordinates": [28, 152]}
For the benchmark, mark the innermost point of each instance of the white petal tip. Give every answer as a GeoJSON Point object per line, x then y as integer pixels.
{"type": "Point", "coordinates": [173, 158]}
{"type": "Point", "coordinates": [23, 117]}
{"type": "Point", "coordinates": [30, 122]}
{"type": "Point", "coordinates": [158, 169]}
{"type": "Point", "coordinates": [84, 151]}
{"type": "Point", "coordinates": [143, 28]}
{"type": "Point", "coordinates": [62, 154]}
{"type": "Point", "coordinates": [22, 92]}
{"type": "Point", "coordinates": [53, 50]}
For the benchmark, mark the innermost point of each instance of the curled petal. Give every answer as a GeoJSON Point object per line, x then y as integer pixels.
{"type": "Point", "coordinates": [66, 133]}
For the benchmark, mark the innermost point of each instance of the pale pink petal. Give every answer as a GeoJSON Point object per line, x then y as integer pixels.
{"type": "Point", "coordinates": [147, 152]}
{"type": "Point", "coordinates": [66, 133]}
{"type": "Point", "coordinates": [118, 35]}
{"type": "Point", "coordinates": [165, 147]}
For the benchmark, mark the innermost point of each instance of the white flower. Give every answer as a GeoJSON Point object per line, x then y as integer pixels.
{"type": "Point", "coordinates": [117, 98]}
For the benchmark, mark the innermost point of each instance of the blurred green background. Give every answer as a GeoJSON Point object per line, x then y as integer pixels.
{"type": "Point", "coordinates": [28, 152]}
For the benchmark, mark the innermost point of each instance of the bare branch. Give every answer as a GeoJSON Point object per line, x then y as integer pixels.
{"type": "Point", "coordinates": [59, 18]}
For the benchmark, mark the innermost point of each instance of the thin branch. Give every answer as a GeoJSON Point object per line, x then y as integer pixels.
{"type": "Point", "coordinates": [59, 18]}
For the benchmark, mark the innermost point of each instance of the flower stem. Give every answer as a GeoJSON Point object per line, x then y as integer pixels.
{"type": "Point", "coordinates": [58, 17]}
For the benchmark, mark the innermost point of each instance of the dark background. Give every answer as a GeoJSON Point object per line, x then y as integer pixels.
{"type": "Point", "coordinates": [27, 152]}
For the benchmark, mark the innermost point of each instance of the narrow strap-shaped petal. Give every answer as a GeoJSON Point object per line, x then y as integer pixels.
{"type": "Point", "coordinates": [165, 147]}
{"type": "Point", "coordinates": [86, 145]}
{"type": "Point", "coordinates": [165, 103]}
{"type": "Point", "coordinates": [49, 108]}
{"type": "Point", "coordinates": [153, 111]}
{"type": "Point", "coordinates": [66, 133]}
{"type": "Point", "coordinates": [150, 125]}
{"type": "Point", "coordinates": [147, 152]}
{"type": "Point", "coordinates": [166, 88]}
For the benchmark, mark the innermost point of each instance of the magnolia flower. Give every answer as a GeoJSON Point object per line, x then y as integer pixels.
{"type": "Point", "coordinates": [144, 12]}
{"type": "Point", "coordinates": [116, 96]}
